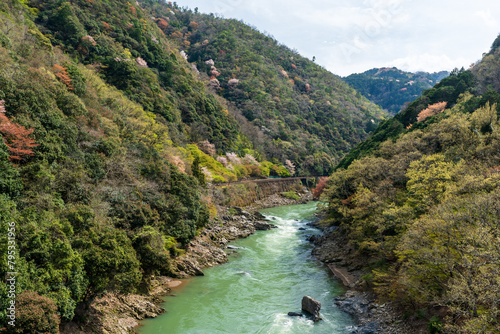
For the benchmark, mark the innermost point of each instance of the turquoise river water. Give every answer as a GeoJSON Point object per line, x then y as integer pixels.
{"type": "Point", "coordinates": [255, 290]}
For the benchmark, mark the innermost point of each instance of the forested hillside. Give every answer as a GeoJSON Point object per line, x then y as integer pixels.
{"type": "Point", "coordinates": [392, 88]}
{"type": "Point", "coordinates": [109, 137]}
{"type": "Point", "coordinates": [419, 203]}
{"type": "Point", "coordinates": [292, 107]}
{"type": "Point", "coordinates": [431, 103]}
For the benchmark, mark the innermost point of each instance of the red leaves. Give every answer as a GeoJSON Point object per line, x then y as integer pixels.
{"type": "Point", "coordinates": [63, 75]}
{"type": "Point", "coordinates": [15, 136]}
{"type": "Point", "coordinates": [320, 187]}
{"type": "Point", "coordinates": [106, 26]}
{"type": "Point", "coordinates": [162, 24]}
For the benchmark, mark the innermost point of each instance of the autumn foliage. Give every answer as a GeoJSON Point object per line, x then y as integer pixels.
{"type": "Point", "coordinates": [431, 110]}
{"type": "Point", "coordinates": [176, 34]}
{"type": "Point", "coordinates": [163, 24]}
{"type": "Point", "coordinates": [320, 187]}
{"type": "Point", "coordinates": [193, 25]}
{"type": "Point", "coordinates": [63, 75]}
{"type": "Point", "coordinates": [15, 136]}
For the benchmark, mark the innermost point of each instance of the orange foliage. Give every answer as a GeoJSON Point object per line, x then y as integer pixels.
{"type": "Point", "coordinates": [63, 75]}
{"type": "Point", "coordinates": [431, 110]}
{"type": "Point", "coordinates": [294, 66]}
{"type": "Point", "coordinates": [176, 34]}
{"type": "Point", "coordinates": [133, 10]}
{"type": "Point", "coordinates": [348, 201]}
{"type": "Point", "coordinates": [320, 187]}
{"type": "Point", "coordinates": [15, 136]}
{"type": "Point", "coordinates": [106, 26]}
{"type": "Point", "coordinates": [193, 25]}
{"type": "Point", "coordinates": [163, 24]}
{"type": "Point", "coordinates": [186, 43]}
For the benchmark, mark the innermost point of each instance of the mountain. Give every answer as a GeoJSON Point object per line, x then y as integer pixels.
{"type": "Point", "coordinates": [417, 204]}
{"type": "Point", "coordinates": [292, 107]}
{"type": "Point", "coordinates": [109, 136]}
{"type": "Point", "coordinates": [392, 88]}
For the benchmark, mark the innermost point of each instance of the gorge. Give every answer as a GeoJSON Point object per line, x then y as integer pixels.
{"type": "Point", "coordinates": [264, 280]}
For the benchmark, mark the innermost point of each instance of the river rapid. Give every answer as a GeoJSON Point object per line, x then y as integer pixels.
{"type": "Point", "coordinates": [261, 283]}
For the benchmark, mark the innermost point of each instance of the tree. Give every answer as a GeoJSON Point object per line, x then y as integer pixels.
{"type": "Point", "coordinates": [110, 260]}
{"type": "Point", "coordinates": [428, 178]}
{"type": "Point", "coordinates": [320, 187]}
{"type": "Point", "coordinates": [151, 251]}
{"type": "Point", "coordinates": [35, 314]}
{"type": "Point", "coordinates": [63, 75]}
{"type": "Point", "coordinates": [431, 110]}
{"type": "Point", "coordinates": [15, 136]}
{"type": "Point", "coordinates": [451, 257]}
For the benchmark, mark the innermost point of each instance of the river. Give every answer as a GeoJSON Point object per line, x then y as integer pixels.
{"type": "Point", "coordinates": [260, 284]}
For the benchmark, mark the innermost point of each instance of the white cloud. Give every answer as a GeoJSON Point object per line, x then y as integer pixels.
{"type": "Point", "coordinates": [428, 62]}
{"type": "Point", "coordinates": [487, 18]}
{"type": "Point", "coordinates": [349, 36]}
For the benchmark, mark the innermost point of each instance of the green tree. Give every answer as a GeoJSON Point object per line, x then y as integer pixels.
{"type": "Point", "coordinates": [110, 260]}
{"type": "Point", "coordinates": [150, 244]}
{"type": "Point", "coordinates": [428, 178]}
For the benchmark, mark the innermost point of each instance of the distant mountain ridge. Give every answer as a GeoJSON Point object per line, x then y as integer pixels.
{"type": "Point", "coordinates": [392, 88]}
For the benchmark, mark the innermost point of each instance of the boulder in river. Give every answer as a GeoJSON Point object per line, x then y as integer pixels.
{"type": "Point", "coordinates": [263, 226]}
{"type": "Point", "coordinates": [294, 314]}
{"type": "Point", "coordinates": [312, 306]}
{"type": "Point", "coordinates": [260, 216]}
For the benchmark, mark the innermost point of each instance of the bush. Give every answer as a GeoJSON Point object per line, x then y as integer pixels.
{"type": "Point", "coordinates": [291, 194]}
{"type": "Point", "coordinates": [35, 314]}
{"type": "Point", "coordinates": [435, 325]}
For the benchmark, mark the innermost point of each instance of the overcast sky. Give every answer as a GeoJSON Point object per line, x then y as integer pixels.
{"type": "Point", "coordinates": [352, 36]}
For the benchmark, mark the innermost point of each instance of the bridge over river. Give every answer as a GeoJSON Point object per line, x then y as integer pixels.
{"type": "Point", "coordinates": [246, 192]}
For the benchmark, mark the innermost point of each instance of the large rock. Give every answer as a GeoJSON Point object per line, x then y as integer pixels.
{"type": "Point", "coordinates": [354, 303]}
{"type": "Point", "coordinates": [295, 314]}
{"type": "Point", "coordinates": [259, 216]}
{"type": "Point", "coordinates": [263, 226]}
{"type": "Point", "coordinates": [312, 306]}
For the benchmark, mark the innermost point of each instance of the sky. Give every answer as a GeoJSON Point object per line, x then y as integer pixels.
{"type": "Point", "coordinates": [352, 36]}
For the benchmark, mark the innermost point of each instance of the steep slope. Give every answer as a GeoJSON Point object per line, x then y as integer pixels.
{"type": "Point", "coordinates": [300, 111]}
{"type": "Point", "coordinates": [417, 206]}
{"type": "Point", "coordinates": [86, 185]}
{"type": "Point", "coordinates": [448, 91]}
{"type": "Point", "coordinates": [108, 136]}
{"type": "Point", "coordinates": [392, 88]}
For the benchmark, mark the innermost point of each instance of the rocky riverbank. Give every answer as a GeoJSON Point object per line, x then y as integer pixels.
{"type": "Point", "coordinates": [372, 317]}
{"type": "Point", "coordinates": [112, 313]}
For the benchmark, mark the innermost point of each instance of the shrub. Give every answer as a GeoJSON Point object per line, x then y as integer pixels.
{"type": "Point", "coordinates": [435, 325]}
{"type": "Point", "coordinates": [35, 314]}
{"type": "Point", "coordinates": [290, 194]}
